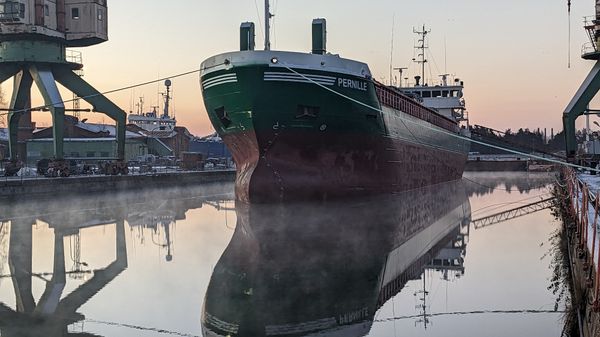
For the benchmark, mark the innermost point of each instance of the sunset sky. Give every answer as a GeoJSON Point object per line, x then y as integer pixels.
{"type": "Point", "coordinates": [511, 54]}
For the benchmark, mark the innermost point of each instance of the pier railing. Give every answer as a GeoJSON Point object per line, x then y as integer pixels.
{"type": "Point", "coordinates": [583, 207]}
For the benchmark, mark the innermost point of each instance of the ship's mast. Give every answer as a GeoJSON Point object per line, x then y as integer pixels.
{"type": "Point", "coordinates": [421, 47]}
{"type": "Point", "coordinates": [268, 17]}
{"type": "Point", "coordinates": [167, 99]}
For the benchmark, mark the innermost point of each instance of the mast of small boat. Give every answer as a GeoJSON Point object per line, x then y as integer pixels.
{"type": "Point", "coordinates": [268, 17]}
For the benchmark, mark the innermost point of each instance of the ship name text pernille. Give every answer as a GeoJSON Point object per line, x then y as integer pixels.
{"type": "Point", "coordinates": [352, 84]}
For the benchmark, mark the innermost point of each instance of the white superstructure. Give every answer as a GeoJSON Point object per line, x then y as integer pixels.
{"type": "Point", "coordinates": [151, 121]}
{"type": "Point", "coordinates": [446, 98]}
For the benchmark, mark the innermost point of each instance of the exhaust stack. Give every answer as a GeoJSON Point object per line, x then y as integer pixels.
{"type": "Point", "coordinates": [247, 36]}
{"type": "Point", "coordinates": [319, 36]}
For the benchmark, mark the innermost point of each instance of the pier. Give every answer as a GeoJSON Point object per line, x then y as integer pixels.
{"type": "Point", "coordinates": [27, 187]}
{"type": "Point", "coordinates": [579, 201]}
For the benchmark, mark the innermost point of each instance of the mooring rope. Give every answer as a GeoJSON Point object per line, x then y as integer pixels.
{"type": "Point", "coordinates": [455, 135]}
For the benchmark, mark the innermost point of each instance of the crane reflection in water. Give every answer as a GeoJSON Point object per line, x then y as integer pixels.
{"type": "Point", "coordinates": [55, 313]}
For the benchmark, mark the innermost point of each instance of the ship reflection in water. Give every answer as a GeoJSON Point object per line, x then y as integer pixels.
{"type": "Point", "coordinates": [302, 269]}
{"type": "Point", "coordinates": [188, 262]}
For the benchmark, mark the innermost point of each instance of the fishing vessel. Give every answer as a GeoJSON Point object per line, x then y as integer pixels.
{"type": "Point", "coordinates": [316, 125]}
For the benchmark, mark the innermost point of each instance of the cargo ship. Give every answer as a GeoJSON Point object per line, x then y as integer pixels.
{"type": "Point", "coordinates": [316, 125]}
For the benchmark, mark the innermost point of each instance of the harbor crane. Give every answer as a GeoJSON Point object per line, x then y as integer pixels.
{"type": "Point", "coordinates": [590, 86]}
{"type": "Point", "coordinates": [34, 36]}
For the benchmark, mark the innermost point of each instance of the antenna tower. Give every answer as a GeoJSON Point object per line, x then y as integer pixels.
{"type": "Point", "coordinates": [421, 46]}
{"type": "Point", "coordinates": [422, 307]}
{"type": "Point", "coordinates": [392, 52]}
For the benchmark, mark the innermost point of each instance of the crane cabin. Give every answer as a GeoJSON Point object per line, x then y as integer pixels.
{"type": "Point", "coordinates": [76, 23]}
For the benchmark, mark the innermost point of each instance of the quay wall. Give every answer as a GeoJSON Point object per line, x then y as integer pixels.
{"type": "Point", "coordinates": [48, 187]}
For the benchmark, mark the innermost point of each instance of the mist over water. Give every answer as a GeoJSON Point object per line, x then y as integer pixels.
{"type": "Point", "coordinates": [190, 262]}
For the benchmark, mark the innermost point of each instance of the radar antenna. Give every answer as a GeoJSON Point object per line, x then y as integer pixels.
{"type": "Point", "coordinates": [167, 98]}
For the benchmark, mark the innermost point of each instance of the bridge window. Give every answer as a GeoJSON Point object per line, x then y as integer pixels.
{"type": "Point", "coordinates": [46, 10]}
{"type": "Point", "coordinates": [445, 93]}
{"type": "Point", "coordinates": [11, 10]}
{"type": "Point", "coordinates": [100, 14]}
{"type": "Point", "coordinates": [75, 13]}
{"type": "Point", "coordinates": [436, 93]}
{"type": "Point", "coordinates": [426, 94]}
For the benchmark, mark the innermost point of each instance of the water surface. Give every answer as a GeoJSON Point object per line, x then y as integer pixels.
{"type": "Point", "coordinates": [188, 262]}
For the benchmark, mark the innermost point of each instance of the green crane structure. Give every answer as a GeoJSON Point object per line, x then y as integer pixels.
{"type": "Point", "coordinates": [590, 86]}
{"type": "Point", "coordinates": [34, 35]}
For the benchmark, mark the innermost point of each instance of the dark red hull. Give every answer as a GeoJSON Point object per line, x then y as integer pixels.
{"type": "Point", "coordinates": [296, 165]}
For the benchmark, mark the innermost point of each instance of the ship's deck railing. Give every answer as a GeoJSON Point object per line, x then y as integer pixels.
{"type": "Point", "coordinates": [590, 24]}
{"type": "Point", "coordinates": [400, 102]}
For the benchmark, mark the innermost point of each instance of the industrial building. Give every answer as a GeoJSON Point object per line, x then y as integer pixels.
{"type": "Point", "coordinates": [94, 142]}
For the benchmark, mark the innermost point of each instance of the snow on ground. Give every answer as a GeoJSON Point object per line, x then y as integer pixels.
{"type": "Point", "coordinates": [593, 182]}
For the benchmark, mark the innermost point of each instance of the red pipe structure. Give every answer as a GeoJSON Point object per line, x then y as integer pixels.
{"type": "Point", "coordinates": [39, 12]}
{"type": "Point", "coordinates": [60, 16]}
